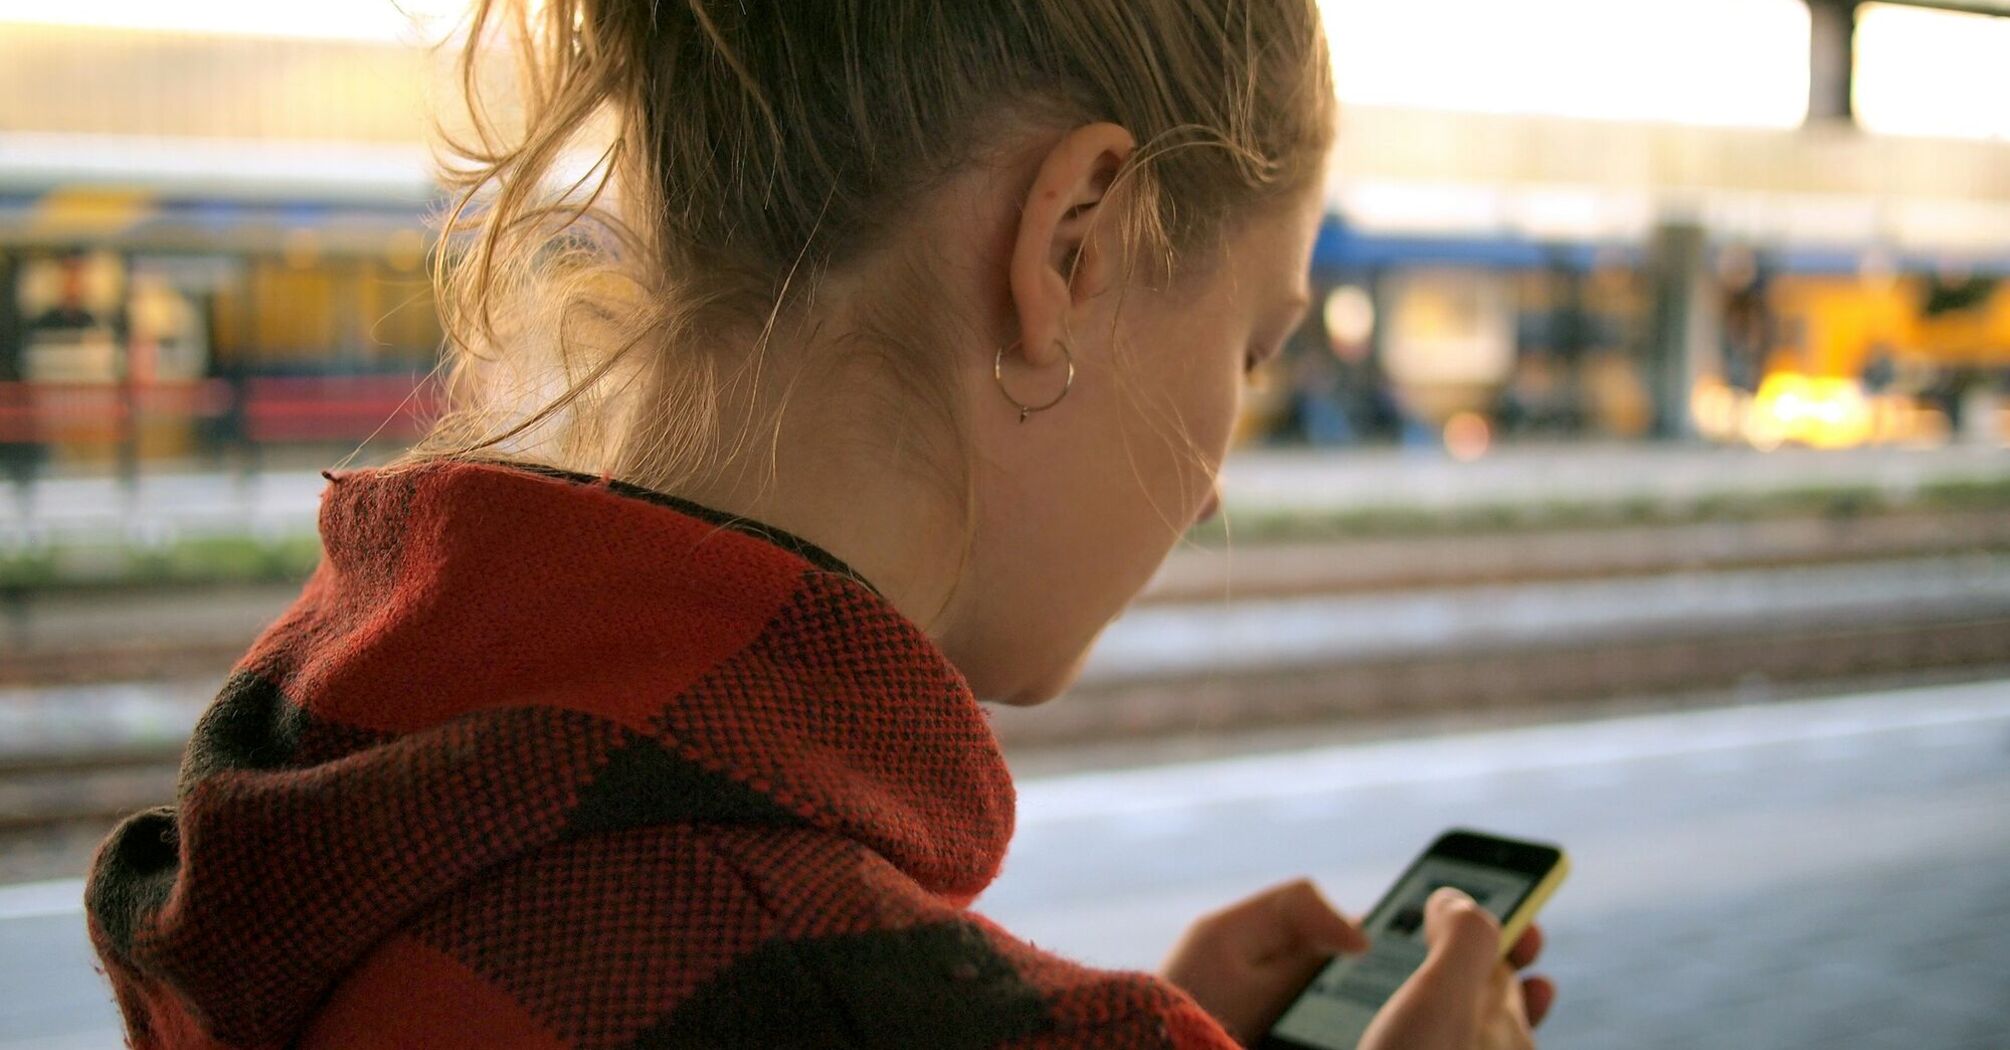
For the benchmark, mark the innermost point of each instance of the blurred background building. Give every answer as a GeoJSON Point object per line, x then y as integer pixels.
{"type": "Point", "coordinates": [1752, 221]}
{"type": "Point", "coordinates": [211, 230]}
{"type": "Point", "coordinates": [1642, 482]}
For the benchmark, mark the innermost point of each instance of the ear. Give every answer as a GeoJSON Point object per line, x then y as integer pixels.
{"type": "Point", "coordinates": [1068, 201]}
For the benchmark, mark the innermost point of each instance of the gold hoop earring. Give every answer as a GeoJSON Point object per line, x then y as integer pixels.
{"type": "Point", "coordinates": [998, 373]}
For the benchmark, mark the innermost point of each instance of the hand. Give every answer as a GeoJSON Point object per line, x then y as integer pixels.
{"type": "Point", "coordinates": [1245, 963]}
{"type": "Point", "coordinates": [1463, 997]}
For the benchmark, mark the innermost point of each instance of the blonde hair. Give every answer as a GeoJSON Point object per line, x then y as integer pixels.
{"type": "Point", "coordinates": [744, 149]}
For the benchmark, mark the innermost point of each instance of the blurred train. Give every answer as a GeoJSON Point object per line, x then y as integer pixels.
{"type": "Point", "coordinates": [152, 322]}
{"type": "Point", "coordinates": [140, 325]}
{"type": "Point", "coordinates": [1466, 340]}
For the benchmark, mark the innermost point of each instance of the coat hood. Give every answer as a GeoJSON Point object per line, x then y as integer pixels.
{"type": "Point", "coordinates": [491, 658]}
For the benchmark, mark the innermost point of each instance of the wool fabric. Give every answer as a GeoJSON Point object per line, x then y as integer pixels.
{"type": "Point", "coordinates": [542, 760]}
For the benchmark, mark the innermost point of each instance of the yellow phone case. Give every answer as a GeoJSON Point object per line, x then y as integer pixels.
{"type": "Point", "coordinates": [1517, 923]}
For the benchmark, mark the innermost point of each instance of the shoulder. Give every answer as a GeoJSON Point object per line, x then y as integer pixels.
{"type": "Point", "coordinates": [711, 936]}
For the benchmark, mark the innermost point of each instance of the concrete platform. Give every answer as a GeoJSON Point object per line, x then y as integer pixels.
{"type": "Point", "coordinates": [169, 503]}
{"type": "Point", "coordinates": [1832, 873]}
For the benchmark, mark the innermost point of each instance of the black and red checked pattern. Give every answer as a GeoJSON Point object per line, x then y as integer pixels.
{"type": "Point", "coordinates": [540, 760]}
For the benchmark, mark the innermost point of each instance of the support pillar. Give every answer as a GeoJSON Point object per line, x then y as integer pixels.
{"type": "Point", "coordinates": [1832, 62]}
{"type": "Point", "coordinates": [1686, 342]}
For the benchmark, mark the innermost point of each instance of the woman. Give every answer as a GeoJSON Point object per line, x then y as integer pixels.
{"type": "Point", "coordinates": [893, 346]}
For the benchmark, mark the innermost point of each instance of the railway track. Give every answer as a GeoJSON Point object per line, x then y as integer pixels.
{"type": "Point", "coordinates": [56, 804]}
{"type": "Point", "coordinates": [1562, 679]}
{"type": "Point", "coordinates": [192, 632]}
{"type": "Point", "coordinates": [54, 809]}
{"type": "Point", "coordinates": [1361, 565]}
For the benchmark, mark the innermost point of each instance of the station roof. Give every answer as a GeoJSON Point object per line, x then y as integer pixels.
{"type": "Point", "coordinates": [203, 122]}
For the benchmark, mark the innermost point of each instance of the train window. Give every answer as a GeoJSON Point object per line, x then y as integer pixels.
{"type": "Point", "coordinates": [295, 310]}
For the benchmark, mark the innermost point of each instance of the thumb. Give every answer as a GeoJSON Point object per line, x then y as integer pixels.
{"type": "Point", "coordinates": [1464, 938]}
{"type": "Point", "coordinates": [1313, 921]}
{"type": "Point", "coordinates": [1440, 1005]}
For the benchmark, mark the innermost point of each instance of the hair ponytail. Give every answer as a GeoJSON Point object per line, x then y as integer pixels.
{"type": "Point", "coordinates": [664, 171]}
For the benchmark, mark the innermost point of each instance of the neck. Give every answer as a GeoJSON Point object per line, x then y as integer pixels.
{"type": "Point", "coordinates": [822, 467]}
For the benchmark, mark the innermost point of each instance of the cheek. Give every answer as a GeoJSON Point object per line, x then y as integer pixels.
{"type": "Point", "coordinates": [1209, 396]}
{"type": "Point", "coordinates": [1085, 503]}
{"type": "Point", "coordinates": [1223, 406]}
{"type": "Point", "coordinates": [1187, 365]}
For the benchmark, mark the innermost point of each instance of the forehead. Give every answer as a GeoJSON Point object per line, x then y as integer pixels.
{"type": "Point", "coordinates": [1293, 217]}
{"type": "Point", "coordinates": [1264, 258]}
{"type": "Point", "coordinates": [1278, 243]}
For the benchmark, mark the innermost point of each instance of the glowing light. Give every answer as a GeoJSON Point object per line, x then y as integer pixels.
{"type": "Point", "coordinates": [1818, 411]}
{"type": "Point", "coordinates": [1719, 411]}
{"type": "Point", "coordinates": [1467, 436]}
{"type": "Point", "coordinates": [1350, 319]}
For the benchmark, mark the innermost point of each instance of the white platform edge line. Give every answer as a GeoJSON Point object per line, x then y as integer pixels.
{"type": "Point", "coordinates": [1554, 746]}
{"type": "Point", "coordinates": [31, 900]}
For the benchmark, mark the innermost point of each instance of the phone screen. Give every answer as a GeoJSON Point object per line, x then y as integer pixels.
{"type": "Point", "coordinates": [1333, 1013]}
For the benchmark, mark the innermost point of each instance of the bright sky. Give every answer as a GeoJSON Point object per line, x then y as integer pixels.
{"type": "Point", "coordinates": [1720, 62]}
{"type": "Point", "coordinates": [1727, 62]}
{"type": "Point", "coordinates": [1933, 72]}
{"type": "Point", "coordinates": [367, 20]}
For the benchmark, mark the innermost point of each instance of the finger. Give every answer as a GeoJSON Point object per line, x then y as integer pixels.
{"type": "Point", "coordinates": [1316, 924]}
{"type": "Point", "coordinates": [1504, 994]}
{"type": "Point", "coordinates": [1538, 995]}
{"type": "Point", "coordinates": [1289, 919]}
{"type": "Point", "coordinates": [1526, 948]}
{"type": "Point", "coordinates": [1464, 938]}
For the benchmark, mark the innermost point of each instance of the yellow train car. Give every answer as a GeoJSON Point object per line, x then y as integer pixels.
{"type": "Point", "coordinates": [1838, 325]}
{"type": "Point", "coordinates": [1855, 359]}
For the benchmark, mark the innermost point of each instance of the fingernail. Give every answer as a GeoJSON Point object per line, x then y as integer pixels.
{"type": "Point", "coordinates": [1452, 895]}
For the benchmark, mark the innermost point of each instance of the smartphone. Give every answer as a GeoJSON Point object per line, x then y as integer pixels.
{"type": "Point", "coordinates": [1508, 877]}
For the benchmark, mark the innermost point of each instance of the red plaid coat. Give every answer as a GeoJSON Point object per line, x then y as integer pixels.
{"type": "Point", "coordinates": [542, 761]}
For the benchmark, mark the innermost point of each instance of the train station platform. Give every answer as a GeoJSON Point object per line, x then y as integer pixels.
{"type": "Point", "coordinates": [1800, 876]}
{"type": "Point", "coordinates": [1673, 476]}
{"type": "Point", "coordinates": [1633, 576]}
{"type": "Point", "coordinates": [1528, 481]}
